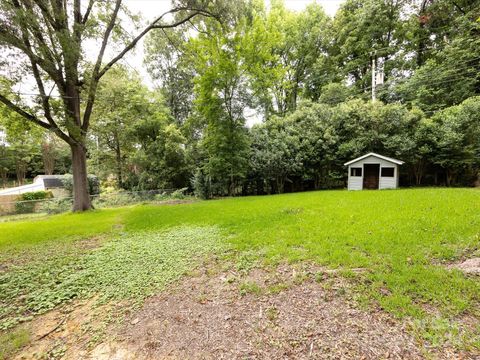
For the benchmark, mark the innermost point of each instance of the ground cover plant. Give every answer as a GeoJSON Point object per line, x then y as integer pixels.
{"type": "Point", "coordinates": [394, 246]}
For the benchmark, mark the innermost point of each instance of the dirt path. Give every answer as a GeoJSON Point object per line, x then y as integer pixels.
{"type": "Point", "coordinates": [283, 314]}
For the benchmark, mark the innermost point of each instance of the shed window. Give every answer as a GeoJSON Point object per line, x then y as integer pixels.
{"type": "Point", "coordinates": [355, 171]}
{"type": "Point", "coordinates": [388, 171]}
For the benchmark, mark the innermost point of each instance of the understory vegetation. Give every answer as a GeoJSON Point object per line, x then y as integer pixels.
{"type": "Point", "coordinates": [130, 266]}
{"type": "Point", "coordinates": [394, 246]}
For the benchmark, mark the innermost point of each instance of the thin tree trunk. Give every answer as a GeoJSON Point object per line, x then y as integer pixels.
{"type": "Point", "coordinates": [81, 196]}
{"type": "Point", "coordinates": [450, 177]}
{"type": "Point", "coordinates": [118, 157]}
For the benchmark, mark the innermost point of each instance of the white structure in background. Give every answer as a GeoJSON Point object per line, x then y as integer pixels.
{"type": "Point", "coordinates": [373, 171]}
{"type": "Point", "coordinates": [40, 183]}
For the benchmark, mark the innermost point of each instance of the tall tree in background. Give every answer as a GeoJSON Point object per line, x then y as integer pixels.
{"type": "Point", "coordinates": [446, 62]}
{"type": "Point", "coordinates": [49, 39]}
{"type": "Point", "coordinates": [122, 101]}
{"type": "Point", "coordinates": [222, 96]}
{"type": "Point", "coordinates": [170, 64]}
{"type": "Point", "coordinates": [286, 53]}
{"type": "Point", "coordinates": [24, 140]}
{"type": "Point", "coordinates": [367, 30]}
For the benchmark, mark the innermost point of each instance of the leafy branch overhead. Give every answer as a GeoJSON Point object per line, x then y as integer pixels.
{"type": "Point", "coordinates": [41, 31]}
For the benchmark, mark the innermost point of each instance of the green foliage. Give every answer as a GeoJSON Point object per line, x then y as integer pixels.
{"type": "Point", "coordinates": [334, 93]}
{"type": "Point", "coordinates": [160, 157]}
{"type": "Point", "coordinates": [27, 202]}
{"type": "Point", "coordinates": [458, 139]}
{"type": "Point", "coordinates": [132, 267]}
{"type": "Point", "coordinates": [12, 341]}
{"type": "Point", "coordinates": [221, 99]}
{"type": "Point", "coordinates": [250, 287]}
{"type": "Point", "coordinates": [93, 184]}
{"type": "Point", "coordinates": [57, 206]}
{"type": "Point", "coordinates": [179, 194]}
{"type": "Point", "coordinates": [22, 154]}
{"type": "Point", "coordinates": [201, 185]}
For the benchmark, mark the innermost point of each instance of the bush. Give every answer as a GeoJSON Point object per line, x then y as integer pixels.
{"type": "Point", "coordinates": [93, 184]}
{"type": "Point", "coordinates": [179, 194]}
{"type": "Point", "coordinates": [113, 199]}
{"type": "Point", "coordinates": [26, 203]}
{"type": "Point", "coordinates": [57, 206]}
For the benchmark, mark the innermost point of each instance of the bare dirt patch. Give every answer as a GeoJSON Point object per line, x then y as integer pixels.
{"type": "Point", "coordinates": [66, 332]}
{"type": "Point", "coordinates": [469, 266]}
{"type": "Point", "coordinates": [288, 312]}
{"type": "Point", "coordinates": [281, 314]}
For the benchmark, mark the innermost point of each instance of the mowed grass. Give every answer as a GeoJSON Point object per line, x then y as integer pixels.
{"type": "Point", "coordinates": [401, 238]}
{"type": "Point", "coordinates": [37, 233]}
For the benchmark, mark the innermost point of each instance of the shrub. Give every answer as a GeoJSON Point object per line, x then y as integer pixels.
{"type": "Point", "coordinates": [26, 203]}
{"type": "Point", "coordinates": [113, 199]}
{"type": "Point", "coordinates": [179, 194]}
{"type": "Point", "coordinates": [93, 184]}
{"type": "Point", "coordinates": [57, 206]}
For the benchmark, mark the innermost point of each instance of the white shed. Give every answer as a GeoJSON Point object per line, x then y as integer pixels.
{"type": "Point", "coordinates": [373, 171]}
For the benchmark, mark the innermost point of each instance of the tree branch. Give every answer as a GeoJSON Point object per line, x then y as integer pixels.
{"type": "Point", "coordinates": [458, 7]}
{"type": "Point", "coordinates": [26, 115]}
{"type": "Point", "coordinates": [97, 73]}
{"type": "Point", "coordinates": [95, 78]}
{"type": "Point", "coordinates": [88, 11]}
{"type": "Point", "coordinates": [154, 25]}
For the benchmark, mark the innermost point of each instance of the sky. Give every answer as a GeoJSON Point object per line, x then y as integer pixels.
{"type": "Point", "coordinates": [149, 9]}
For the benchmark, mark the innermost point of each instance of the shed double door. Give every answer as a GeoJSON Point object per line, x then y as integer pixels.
{"type": "Point", "coordinates": [371, 173]}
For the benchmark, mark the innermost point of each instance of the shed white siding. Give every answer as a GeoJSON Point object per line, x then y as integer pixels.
{"type": "Point", "coordinates": [355, 182]}
{"type": "Point", "coordinates": [384, 182]}
{"type": "Point", "coordinates": [389, 182]}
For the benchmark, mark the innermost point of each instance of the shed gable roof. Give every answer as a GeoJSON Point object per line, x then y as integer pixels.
{"type": "Point", "coordinates": [386, 158]}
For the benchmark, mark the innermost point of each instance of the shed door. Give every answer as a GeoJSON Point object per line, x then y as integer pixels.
{"type": "Point", "coordinates": [370, 176]}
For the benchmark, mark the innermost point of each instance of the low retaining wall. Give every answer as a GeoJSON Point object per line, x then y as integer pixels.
{"type": "Point", "coordinates": [7, 204]}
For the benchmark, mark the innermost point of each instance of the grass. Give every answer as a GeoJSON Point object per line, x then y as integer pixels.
{"type": "Point", "coordinates": [13, 341]}
{"type": "Point", "coordinates": [400, 237]}
{"type": "Point", "coordinates": [22, 235]}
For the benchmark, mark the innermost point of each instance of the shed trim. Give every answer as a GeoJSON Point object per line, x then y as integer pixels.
{"type": "Point", "coordinates": [386, 158]}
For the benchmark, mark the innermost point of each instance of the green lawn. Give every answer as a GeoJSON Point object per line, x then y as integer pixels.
{"type": "Point", "coordinates": [401, 237]}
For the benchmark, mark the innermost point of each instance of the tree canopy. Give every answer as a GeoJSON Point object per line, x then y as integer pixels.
{"type": "Point", "coordinates": [304, 80]}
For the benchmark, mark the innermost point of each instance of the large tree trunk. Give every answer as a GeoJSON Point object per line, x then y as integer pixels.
{"type": "Point", "coordinates": [81, 196]}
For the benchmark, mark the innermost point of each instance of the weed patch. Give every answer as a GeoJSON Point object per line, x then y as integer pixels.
{"type": "Point", "coordinates": [12, 341]}
{"type": "Point", "coordinates": [132, 266]}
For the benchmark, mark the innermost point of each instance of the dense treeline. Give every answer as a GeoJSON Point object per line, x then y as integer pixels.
{"type": "Point", "coordinates": [304, 80]}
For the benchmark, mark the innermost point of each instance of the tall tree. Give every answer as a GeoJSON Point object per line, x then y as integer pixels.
{"type": "Point", "coordinates": [122, 101]}
{"type": "Point", "coordinates": [222, 96]}
{"type": "Point", "coordinates": [50, 39]}
{"type": "Point", "coordinates": [369, 30]}
{"type": "Point", "coordinates": [23, 143]}
{"type": "Point", "coordinates": [169, 63]}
